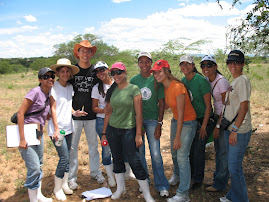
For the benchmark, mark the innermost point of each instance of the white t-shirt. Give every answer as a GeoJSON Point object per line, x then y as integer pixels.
{"type": "Point", "coordinates": [96, 95]}
{"type": "Point", "coordinates": [221, 87]}
{"type": "Point", "coordinates": [240, 93]}
{"type": "Point", "coordinates": [63, 97]}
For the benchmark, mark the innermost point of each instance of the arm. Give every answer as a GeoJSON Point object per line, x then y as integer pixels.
{"type": "Point", "coordinates": [208, 108]}
{"type": "Point", "coordinates": [54, 118]}
{"type": "Point", "coordinates": [95, 107]}
{"type": "Point", "coordinates": [180, 99]}
{"type": "Point", "coordinates": [107, 116]}
{"type": "Point", "coordinates": [158, 130]}
{"type": "Point", "coordinates": [26, 104]}
{"type": "Point", "coordinates": [139, 119]}
{"type": "Point", "coordinates": [240, 118]}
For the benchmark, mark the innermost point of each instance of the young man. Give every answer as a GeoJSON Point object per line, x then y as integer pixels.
{"type": "Point", "coordinates": [153, 110]}
{"type": "Point", "coordinates": [82, 103]}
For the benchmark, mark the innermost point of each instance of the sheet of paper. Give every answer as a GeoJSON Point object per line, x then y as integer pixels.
{"type": "Point", "coordinates": [13, 135]}
{"type": "Point", "coordinates": [97, 193]}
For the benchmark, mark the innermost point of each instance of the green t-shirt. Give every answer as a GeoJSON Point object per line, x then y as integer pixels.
{"type": "Point", "coordinates": [150, 96]}
{"type": "Point", "coordinates": [123, 110]}
{"type": "Point", "coordinates": [198, 86]}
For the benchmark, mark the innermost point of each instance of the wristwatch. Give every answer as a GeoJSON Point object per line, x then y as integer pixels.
{"type": "Point", "coordinates": [218, 126]}
{"type": "Point", "coordinates": [160, 122]}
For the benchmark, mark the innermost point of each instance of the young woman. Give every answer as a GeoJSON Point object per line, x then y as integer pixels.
{"type": "Point", "coordinates": [238, 134]}
{"type": "Point", "coordinates": [98, 106]}
{"type": "Point", "coordinates": [61, 112]}
{"type": "Point", "coordinates": [123, 128]}
{"type": "Point", "coordinates": [183, 126]}
{"type": "Point", "coordinates": [37, 99]}
{"type": "Point", "coordinates": [153, 110]}
{"type": "Point", "coordinates": [219, 87]}
{"type": "Point", "coordinates": [200, 91]}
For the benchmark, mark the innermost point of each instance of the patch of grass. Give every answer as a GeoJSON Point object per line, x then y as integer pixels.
{"type": "Point", "coordinates": [10, 86]}
{"type": "Point", "coordinates": [19, 183]}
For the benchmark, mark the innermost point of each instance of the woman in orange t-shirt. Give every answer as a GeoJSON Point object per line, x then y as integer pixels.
{"type": "Point", "coordinates": [183, 127]}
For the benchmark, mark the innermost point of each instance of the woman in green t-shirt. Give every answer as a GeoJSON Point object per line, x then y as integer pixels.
{"type": "Point", "coordinates": [123, 129]}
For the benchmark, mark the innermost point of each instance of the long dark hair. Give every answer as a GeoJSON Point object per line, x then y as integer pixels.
{"type": "Point", "coordinates": [101, 87]}
{"type": "Point", "coordinates": [110, 91]}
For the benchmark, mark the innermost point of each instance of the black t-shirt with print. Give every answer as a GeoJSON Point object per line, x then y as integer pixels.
{"type": "Point", "coordinates": [83, 83]}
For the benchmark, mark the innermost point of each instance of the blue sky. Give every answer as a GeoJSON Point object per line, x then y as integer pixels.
{"type": "Point", "coordinates": [30, 28]}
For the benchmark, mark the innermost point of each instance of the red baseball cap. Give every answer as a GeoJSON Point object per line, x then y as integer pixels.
{"type": "Point", "coordinates": [158, 65]}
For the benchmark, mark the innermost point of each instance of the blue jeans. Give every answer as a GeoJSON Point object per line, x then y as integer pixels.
{"type": "Point", "coordinates": [238, 189]}
{"type": "Point", "coordinates": [180, 157]}
{"type": "Point", "coordinates": [197, 155]}
{"type": "Point", "coordinates": [33, 157]}
{"type": "Point", "coordinates": [63, 153]}
{"type": "Point", "coordinates": [122, 143]}
{"type": "Point", "coordinates": [160, 180]}
{"type": "Point", "coordinates": [221, 175]}
{"type": "Point", "coordinates": [91, 136]}
{"type": "Point", "coordinates": [106, 153]}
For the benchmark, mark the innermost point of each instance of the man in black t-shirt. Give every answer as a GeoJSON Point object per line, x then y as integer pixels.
{"type": "Point", "coordinates": [83, 116]}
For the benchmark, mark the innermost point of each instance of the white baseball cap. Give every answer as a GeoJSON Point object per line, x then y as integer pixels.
{"type": "Point", "coordinates": [146, 54]}
{"type": "Point", "coordinates": [209, 58]}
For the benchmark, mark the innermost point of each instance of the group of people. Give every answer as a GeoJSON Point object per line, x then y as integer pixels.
{"type": "Point", "coordinates": [103, 102]}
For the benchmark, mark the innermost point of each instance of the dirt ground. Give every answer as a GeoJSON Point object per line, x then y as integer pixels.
{"type": "Point", "coordinates": [256, 163]}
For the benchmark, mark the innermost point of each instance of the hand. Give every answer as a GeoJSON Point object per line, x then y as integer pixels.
{"type": "Point", "coordinates": [177, 143]}
{"type": "Point", "coordinates": [55, 136]}
{"type": "Point", "coordinates": [233, 138]}
{"type": "Point", "coordinates": [138, 140]}
{"type": "Point", "coordinates": [79, 113]}
{"type": "Point", "coordinates": [216, 133]}
{"type": "Point", "coordinates": [23, 144]}
{"type": "Point", "coordinates": [158, 132]}
{"type": "Point", "coordinates": [103, 138]}
{"type": "Point", "coordinates": [202, 132]}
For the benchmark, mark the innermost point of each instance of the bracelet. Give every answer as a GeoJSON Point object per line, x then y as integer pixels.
{"type": "Point", "coordinates": [235, 127]}
{"type": "Point", "coordinates": [234, 130]}
{"type": "Point", "coordinates": [102, 134]}
{"type": "Point", "coordinates": [160, 122]}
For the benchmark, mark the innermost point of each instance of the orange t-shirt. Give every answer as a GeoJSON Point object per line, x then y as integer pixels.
{"type": "Point", "coordinates": [171, 93]}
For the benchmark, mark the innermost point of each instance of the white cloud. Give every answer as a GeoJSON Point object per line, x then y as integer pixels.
{"type": "Point", "coordinates": [30, 18]}
{"type": "Point", "coordinates": [14, 30]}
{"type": "Point", "coordinates": [119, 1]}
{"type": "Point", "coordinates": [18, 22]}
{"type": "Point", "coordinates": [89, 30]}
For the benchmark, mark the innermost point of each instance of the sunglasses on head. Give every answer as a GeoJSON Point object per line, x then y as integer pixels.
{"type": "Point", "coordinates": [46, 76]}
{"type": "Point", "coordinates": [100, 70]}
{"type": "Point", "coordinates": [233, 62]}
{"type": "Point", "coordinates": [118, 72]}
{"type": "Point", "coordinates": [208, 65]}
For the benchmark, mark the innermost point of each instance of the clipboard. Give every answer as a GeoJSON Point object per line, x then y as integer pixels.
{"type": "Point", "coordinates": [30, 132]}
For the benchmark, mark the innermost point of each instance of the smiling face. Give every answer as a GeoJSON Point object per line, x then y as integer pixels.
{"type": "Point", "coordinates": [235, 68]}
{"type": "Point", "coordinates": [64, 74]}
{"type": "Point", "coordinates": [118, 75]}
{"type": "Point", "coordinates": [209, 68]}
{"type": "Point", "coordinates": [160, 76]}
{"type": "Point", "coordinates": [84, 54]}
{"type": "Point", "coordinates": [144, 64]}
{"type": "Point", "coordinates": [47, 80]}
{"type": "Point", "coordinates": [186, 68]}
{"type": "Point", "coordinates": [102, 73]}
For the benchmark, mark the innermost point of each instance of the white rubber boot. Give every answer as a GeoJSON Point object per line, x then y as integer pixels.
{"type": "Point", "coordinates": [120, 179]}
{"type": "Point", "coordinates": [40, 196]}
{"type": "Point", "coordinates": [32, 195]}
{"type": "Point", "coordinates": [144, 184]}
{"type": "Point", "coordinates": [110, 175]}
{"type": "Point", "coordinates": [58, 191]}
{"type": "Point", "coordinates": [129, 175]}
{"type": "Point", "coordinates": [65, 186]}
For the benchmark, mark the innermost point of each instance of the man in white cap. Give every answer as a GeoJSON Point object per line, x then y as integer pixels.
{"type": "Point", "coordinates": [82, 84]}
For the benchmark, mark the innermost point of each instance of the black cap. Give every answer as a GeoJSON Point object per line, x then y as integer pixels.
{"type": "Point", "coordinates": [236, 55]}
{"type": "Point", "coordinates": [43, 71]}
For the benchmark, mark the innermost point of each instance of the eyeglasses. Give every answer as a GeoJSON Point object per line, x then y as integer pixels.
{"type": "Point", "coordinates": [118, 72]}
{"type": "Point", "coordinates": [100, 70]}
{"type": "Point", "coordinates": [208, 65]}
{"type": "Point", "coordinates": [46, 76]}
{"type": "Point", "coordinates": [233, 62]}
{"type": "Point", "coordinates": [182, 64]}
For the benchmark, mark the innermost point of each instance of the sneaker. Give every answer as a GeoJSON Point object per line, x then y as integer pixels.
{"type": "Point", "coordinates": [179, 199]}
{"type": "Point", "coordinates": [73, 184]}
{"type": "Point", "coordinates": [164, 193]}
{"type": "Point", "coordinates": [174, 180]}
{"type": "Point", "coordinates": [100, 178]}
{"type": "Point", "coordinates": [224, 199]}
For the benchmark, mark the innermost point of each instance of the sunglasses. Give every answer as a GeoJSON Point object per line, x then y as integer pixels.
{"type": "Point", "coordinates": [118, 72]}
{"type": "Point", "coordinates": [208, 65]}
{"type": "Point", "coordinates": [233, 62]}
{"type": "Point", "coordinates": [100, 70]}
{"type": "Point", "coordinates": [46, 77]}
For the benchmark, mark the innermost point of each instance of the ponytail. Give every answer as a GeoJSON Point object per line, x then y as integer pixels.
{"type": "Point", "coordinates": [110, 91]}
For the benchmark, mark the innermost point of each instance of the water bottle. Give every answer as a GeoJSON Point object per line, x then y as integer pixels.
{"type": "Point", "coordinates": [60, 138]}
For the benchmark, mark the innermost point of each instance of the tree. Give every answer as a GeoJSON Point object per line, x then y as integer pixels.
{"type": "Point", "coordinates": [103, 49]}
{"type": "Point", "coordinates": [252, 35]}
